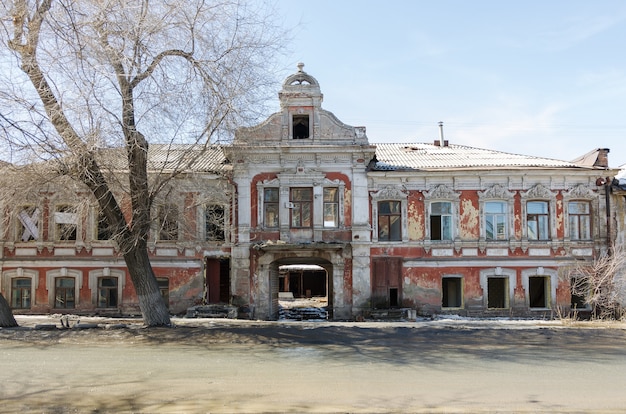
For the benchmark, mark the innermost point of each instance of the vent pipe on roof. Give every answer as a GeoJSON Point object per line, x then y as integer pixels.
{"type": "Point", "coordinates": [441, 142]}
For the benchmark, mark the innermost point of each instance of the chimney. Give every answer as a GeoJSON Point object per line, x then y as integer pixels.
{"type": "Point", "coordinates": [441, 142]}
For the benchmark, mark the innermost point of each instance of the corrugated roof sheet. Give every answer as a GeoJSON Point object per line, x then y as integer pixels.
{"type": "Point", "coordinates": [167, 157]}
{"type": "Point", "coordinates": [393, 157]}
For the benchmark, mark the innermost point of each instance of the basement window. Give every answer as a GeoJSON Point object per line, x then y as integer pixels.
{"type": "Point", "coordinates": [452, 292]}
{"type": "Point", "coordinates": [300, 125]}
{"type": "Point", "coordinates": [497, 296]}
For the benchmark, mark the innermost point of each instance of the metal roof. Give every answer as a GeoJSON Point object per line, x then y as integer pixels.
{"type": "Point", "coordinates": [171, 157]}
{"type": "Point", "coordinates": [420, 156]}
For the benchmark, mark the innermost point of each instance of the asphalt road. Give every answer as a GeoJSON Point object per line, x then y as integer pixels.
{"type": "Point", "coordinates": [221, 366]}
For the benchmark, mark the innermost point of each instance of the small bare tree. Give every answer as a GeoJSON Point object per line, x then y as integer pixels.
{"type": "Point", "coordinates": [122, 74]}
{"type": "Point", "coordinates": [601, 284]}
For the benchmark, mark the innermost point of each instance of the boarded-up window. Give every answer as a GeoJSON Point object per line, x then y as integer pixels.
{"type": "Point", "coordinates": [65, 220]}
{"type": "Point", "coordinates": [28, 225]}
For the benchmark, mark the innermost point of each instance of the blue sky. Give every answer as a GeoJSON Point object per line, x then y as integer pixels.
{"type": "Point", "coordinates": [533, 77]}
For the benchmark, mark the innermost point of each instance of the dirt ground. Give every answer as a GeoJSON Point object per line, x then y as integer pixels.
{"type": "Point", "coordinates": [215, 365]}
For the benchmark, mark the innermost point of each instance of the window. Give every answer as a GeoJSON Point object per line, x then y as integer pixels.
{"type": "Point", "coordinates": [300, 126]}
{"type": "Point", "coordinates": [495, 220]}
{"type": "Point", "coordinates": [389, 221]}
{"type": "Point", "coordinates": [28, 228]}
{"type": "Point", "coordinates": [579, 290]}
{"type": "Point", "coordinates": [301, 200]}
{"type": "Point", "coordinates": [270, 207]}
{"type": "Point", "coordinates": [107, 292]}
{"type": "Point", "coordinates": [579, 220]}
{"type": "Point", "coordinates": [537, 220]}
{"type": "Point", "coordinates": [441, 220]}
{"type": "Point", "coordinates": [65, 219]}
{"type": "Point", "coordinates": [20, 293]}
{"type": "Point", "coordinates": [497, 293]}
{"type": "Point", "coordinates": [214, 222]}
{"type": "Point", "coordinates": [64, 293]}
{"type": "Point", "coordinates": [104, 232]}
{"type": "Point", "coordinates": [164, 288]}
{"type": "Point", "coordinates": [538, 289]}
{"type": "Point", "coordinates": [452, 292]}
{"type": "Point", "coordinates": [331, 207]}
{"type": "Point", "coordinates": [168, 222]}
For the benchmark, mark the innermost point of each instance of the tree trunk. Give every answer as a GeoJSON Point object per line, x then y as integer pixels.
{"type": "Point", "coordinates": [6, 315]}
{"type": "Point", "coordinates": [153, 308]}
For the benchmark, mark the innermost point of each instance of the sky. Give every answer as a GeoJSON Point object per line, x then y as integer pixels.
{"type": "Point", "coordinates": [536, 77]}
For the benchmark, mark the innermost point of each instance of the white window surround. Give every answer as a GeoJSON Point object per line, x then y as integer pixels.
{"type": "Point", "coordinates": [390, 194]}
{"type": "Point", "coordinates": [442, 193]}
{"type": "Point", "coordinates": [106, 272]}
{"type": "Point", "coordinates": [500, 194]}
{"type": "Point", "coordinates": [51, 275]}
{"type": "Point", "coordinates": [302, 179]}
{"type": "Point", "coordinates": [20, 273]}
{"type": "Point", "coordinates": [582, 193]}
{"type": "Point", "coordinates": [510, 274]}
{"type": "Point", "coordinates": [539, 193]}
{"type": "Point", "coordinates": [540, 271]}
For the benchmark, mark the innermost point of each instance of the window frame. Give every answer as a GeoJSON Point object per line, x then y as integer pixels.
{"type": "Point", "coordinates": [461, 294]}
{"type": "Point", "coordinates": [33, 218]}
{"type": "Point", "coordinates": [63, 231]}
{"type": "Point", "coordinates": [542, 229]}
{"type": "Point", "coordinates": [389, 194]}
{"type": "Point", "coordinates": [273, 203]}
{"type": "Point", "coordinates": [64, 290]}
{"type": "Point", "coordinates": [326, 204]}
{"type": "Point", "coordinates": [108, 289]}
{"type": "Point", "coordinates": [577, 217]}
{"type": "Point", "coordinates": [300, 207]}
{"type": "Point", "coordinates": [167, 222]}
{"type": "Point", "coordinates": [539, 193]}
{"type": "Point", "coordinates": [385, 221]}
{"type": "Point", "coordinates": [215, 230]}
{"type": "Point", "coordinates": [22, 297]}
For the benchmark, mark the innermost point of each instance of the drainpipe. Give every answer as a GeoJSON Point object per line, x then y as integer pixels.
{"type": "Point", "coordinates": [606, 183]}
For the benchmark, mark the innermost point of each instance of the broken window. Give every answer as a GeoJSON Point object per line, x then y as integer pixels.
{"type": "Point", "coordinates": [104, 231]}
{"type": "Point", "coordinates": [301, 200]}
{"type": "Point", "coordinates": [441, 220]}
{"type": "Point", "coordinates": [21, 293]}
{"type": "Point", "coordinates": [579, 220]}
{"type": "Point", "coordinates": [537, 220]}
{"type": "Point", "coordinates": [579, 290]}
{"type": "Point", "coordinates": [300, 126]}
{"type": "Point", "coordinates": [168, 222]}
{"type": "Point", "coordinates": [64, 293]}
{"type": "Point", "coordinates": [66, 220]}
{"type": "Point", "coordinates": [452, 292]}
{"type": "Point", "coordinates": [270, 207]}
{"type": "Point", "coordinates": [389, 221]}
{"type": "Point", "coordinates": [107, 292]}
{"type": "Point", "coordinates": [331, 207]}
{"type": "Point", "coordinates": [164, 289]}
{"type": "Point", "coordinates": [28, 226]}
{"type": "Point", "coordinates": [497, 293]}
{"type": "Point", "coordinates": [214, 222]}
{"type": "Point", "coordinates": [538, 292]}
{"type": "Point", "coordinates": [495, 220]}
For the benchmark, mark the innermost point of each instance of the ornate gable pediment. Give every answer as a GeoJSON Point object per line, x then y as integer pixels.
{"type": "Point", "coordinates": [441, 191]}
{"type": "Point", "coordinates": [496, 191]}
{"type": "Point", "coordinates": [579, 191]}
{"type": "Point", "coordinates": [389, 193]}
{"type": "Point", "coordinates": [538, 191]}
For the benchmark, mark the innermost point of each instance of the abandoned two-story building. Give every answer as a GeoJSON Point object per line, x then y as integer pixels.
{"type": "Point", "coordinates": [304, 204]}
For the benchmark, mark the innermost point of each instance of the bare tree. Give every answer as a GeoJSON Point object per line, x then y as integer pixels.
{"type": "Point", "coordinates": [601, 284]}
{"type": "Point", "coordinates": [123, 74]}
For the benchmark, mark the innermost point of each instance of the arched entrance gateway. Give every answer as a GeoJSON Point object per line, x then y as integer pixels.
{"type": "Point", "coordinates": [301, 278]}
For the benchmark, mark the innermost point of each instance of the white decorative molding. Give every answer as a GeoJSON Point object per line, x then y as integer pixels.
{"type": "Point", "coordinates": [389, 193]}
{"type": "Point", "coordinates": [441, 191]}
{"type": "Point", "coordinates": [580, 191]}
{"type": "Point", "coordinates": [497, 252]}
{"type": "Point", "coordinates": [442, 252]}
{"type": "Point", "coordinates": [538, 191]}
{"type": "Point", "coordinates": [538, 252]}
{"type": "Point", "coordinates": [496, 191]}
